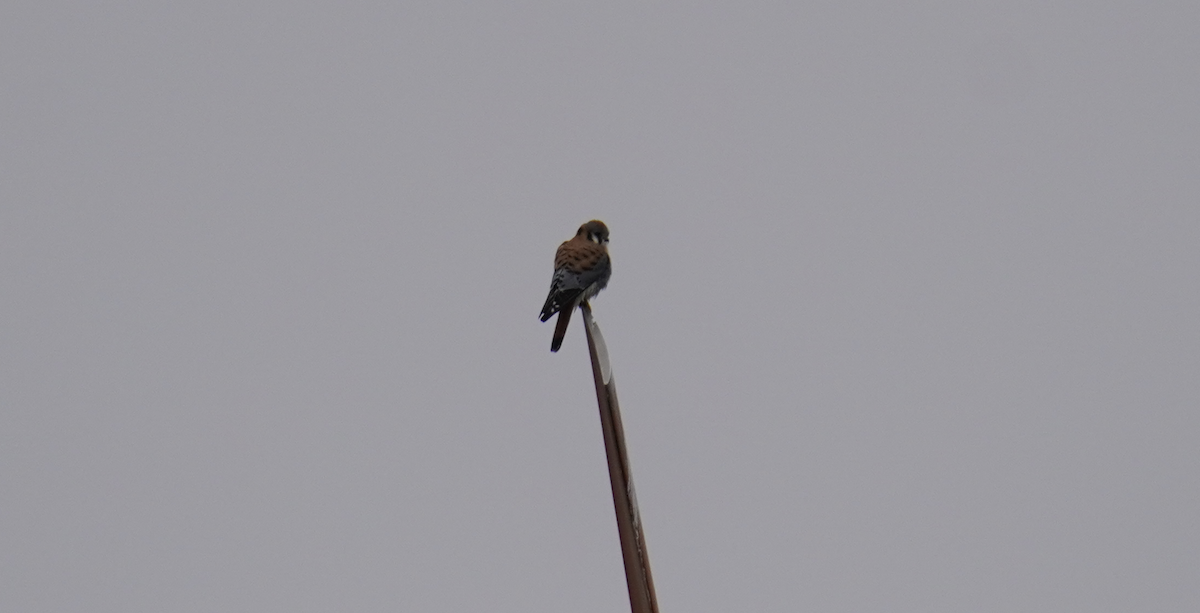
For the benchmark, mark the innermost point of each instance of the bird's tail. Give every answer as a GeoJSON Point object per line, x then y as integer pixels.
{"type": "Point", "coordinates": [560, 328]}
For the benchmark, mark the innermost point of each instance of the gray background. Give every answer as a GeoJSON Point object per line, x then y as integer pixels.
{"type": "Point", "coordinates": [905, 313]}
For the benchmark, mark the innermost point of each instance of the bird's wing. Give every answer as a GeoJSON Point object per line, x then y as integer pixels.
{"type": "Point", "coordinates": [568, 284]}
{"type": "Point", "coordinates": [578, 264]}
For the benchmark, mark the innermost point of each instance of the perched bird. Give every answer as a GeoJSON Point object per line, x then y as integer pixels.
{"type": "Point", "coordinates": [581, 268]}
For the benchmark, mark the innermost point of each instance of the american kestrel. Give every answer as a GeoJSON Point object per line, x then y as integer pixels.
{"type": "Point", "coordinates": [581, 268]}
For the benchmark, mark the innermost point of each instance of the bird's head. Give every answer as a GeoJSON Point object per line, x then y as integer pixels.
{"type": "Point", "coordinates": [594, 231]}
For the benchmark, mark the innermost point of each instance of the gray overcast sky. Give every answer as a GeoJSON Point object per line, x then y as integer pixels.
{"type": "Point", "coordinates": [905, 313]}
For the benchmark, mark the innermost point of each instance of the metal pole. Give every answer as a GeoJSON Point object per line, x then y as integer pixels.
{"type": "Point", "coordinates": [629, 524]}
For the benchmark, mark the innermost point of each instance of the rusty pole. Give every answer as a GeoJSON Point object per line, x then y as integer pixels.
{"type": "Point", "coordinates": [629, 523]}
